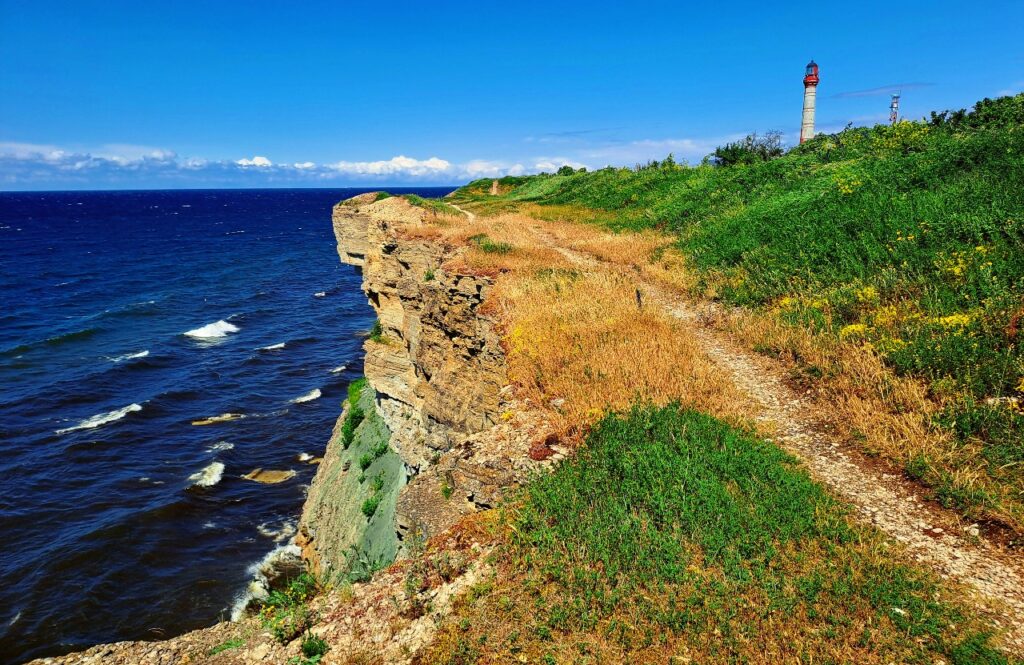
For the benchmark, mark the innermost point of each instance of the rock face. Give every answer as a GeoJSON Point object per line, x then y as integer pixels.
{"type": "Point", "coordinates": [436, 371]}
{"type": "Point", "coordinates": [335, 533]}
{"type": "Point", "coordinates": [438, 366]}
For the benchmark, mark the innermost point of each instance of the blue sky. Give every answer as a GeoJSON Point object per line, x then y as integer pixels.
{"type": "Point", "coordinates": [332, 94]}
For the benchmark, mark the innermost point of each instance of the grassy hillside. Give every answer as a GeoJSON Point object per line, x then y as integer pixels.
{"type": "Point", "coordinates": [907, 238]}
{"type": "Point", "coordinates": [673, 537]}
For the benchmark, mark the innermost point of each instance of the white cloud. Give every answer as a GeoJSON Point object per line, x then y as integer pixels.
{"type": "Point", "coordinates": [304, 165]}
{"type": "Point", "coordinates": [400, 165]}
{"type": "Point", "coordinates": [551, 164]}
{"type": "Point", "coordinates": [1014, 89]}
{"type": "Point", "coordinates": [483, 168]}
{"type": "Point", "coordinates": [261, 162]}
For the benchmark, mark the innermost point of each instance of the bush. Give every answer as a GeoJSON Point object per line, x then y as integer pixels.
{"type": "Point", "coordinates": [749, 150]}
{"type": "Point", "coordinates": [377, 332]}
{"type": "Point", "coordinates": [353, 419]}
{"type": "Point", "coordinates": [370, 505]}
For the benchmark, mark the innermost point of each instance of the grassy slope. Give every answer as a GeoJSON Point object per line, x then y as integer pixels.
{"type": "Point", "coordinates": [908, 238]}
{"type": "Point", "coordinates": [672, 534]}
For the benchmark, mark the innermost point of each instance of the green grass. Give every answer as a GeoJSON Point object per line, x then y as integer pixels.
{"type": "Point", "coordinates": [436, 206]}
{"type": "Point", "coordinates": [670, 527]}
{"type": "Point", "coordinates": [490, 246]}
{"type": "Point", "coordinates": [908, 237]}
{"type": "Point", "coordinates": [377, 332]}
{"type": "Point", "coordinates": [285, 612]}
{"type": "Point", "coordinates": [233, 643]}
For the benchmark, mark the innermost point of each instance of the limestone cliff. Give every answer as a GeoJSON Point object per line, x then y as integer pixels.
{"type": "Point", "coordinates": [437, 370]}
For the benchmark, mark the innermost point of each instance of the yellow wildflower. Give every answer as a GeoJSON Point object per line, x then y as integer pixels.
{"type": "Point", "coordinates": [867, 294]}
{"type": "Point", "coordinates": [853, 330]}
{"type": "Point", "coordinates": [954, 320]}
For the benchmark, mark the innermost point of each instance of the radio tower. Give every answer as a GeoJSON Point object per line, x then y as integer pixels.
{"type": "Point", "coordinates": [810, 93]}
{"type": "Point", "coordinates": [894, 109]}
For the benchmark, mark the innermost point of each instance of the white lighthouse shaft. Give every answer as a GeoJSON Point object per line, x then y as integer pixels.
{"type": "Point", "coordinates": [807, 124]}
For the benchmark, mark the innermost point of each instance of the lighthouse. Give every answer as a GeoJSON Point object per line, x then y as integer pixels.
{"type": "Point", "coordinates": [810, 93]}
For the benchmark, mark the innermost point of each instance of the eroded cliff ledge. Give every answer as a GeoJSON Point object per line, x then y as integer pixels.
{"type": "Point", "coordinates": [437, 370]}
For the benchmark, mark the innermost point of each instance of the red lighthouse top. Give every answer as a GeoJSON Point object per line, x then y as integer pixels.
{"type": "Point", "coordinates": [811, 76]}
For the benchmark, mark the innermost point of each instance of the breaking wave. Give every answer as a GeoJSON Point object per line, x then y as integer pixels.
{"type": "Point", "coordinates": [215, 330]}
{"type": "Point", "coordinates": [308, 397]}
{"type": "Point", "coordinates": [129, 356]}
{"type": "Point", "coordinates": [263, 572]}
{"type": "Point", "coordinates": [272, 347]}
{"type": "Point", "coordinates": [209, 476]}
{"type": "Point", "coordinates": [102, 419]}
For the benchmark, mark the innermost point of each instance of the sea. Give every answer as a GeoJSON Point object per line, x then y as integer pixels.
{"type": "Point", "coordinates": [156, 347]}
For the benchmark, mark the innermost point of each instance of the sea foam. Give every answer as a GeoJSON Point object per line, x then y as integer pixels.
{"type": "Point", "coordinates": [213, 330]}
{"type": "Point", "coordinates": [209, 476]}
{"type": "Point", "coordinates": [272, 347]}
{"type": "Point", "coordinates": [263, 571]}
{"type": "Point", "coordinates": [102, 419]}
{"type": "Point", "coordinates": [129, 356]}
{"type": "Point", "coordinates": [308, 397]}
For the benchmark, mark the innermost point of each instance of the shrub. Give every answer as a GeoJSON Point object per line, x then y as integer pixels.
{"type": "Point", "coordinates": [377, 332]}
{"type": "Point", "coordinates": [370, 505]}
{"type": "Point", "coordinates": [365, 460]}
{"type": "Point", "coordinates": [353, 419]}
{"type": "Point", "coordinates": [313, 646]}
{"type": "Point", "coordinates": [749, 150]}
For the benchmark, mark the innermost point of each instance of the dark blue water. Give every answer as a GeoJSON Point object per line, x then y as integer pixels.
{"type": "Point", "coordinates": [107, 531]}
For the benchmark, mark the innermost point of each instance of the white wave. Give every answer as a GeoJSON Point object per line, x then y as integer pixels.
{"type": "Point", "coordinates": [304, 457]}
{"type": "Point", "coordinates": [339, 369]}
{"type": "Point", "coordinates": [209, 476]}
{"type": "Point", "coordinates": [279, 533]}
{"type": "Point", "coordinates": [262, 572]}
{"type": "Point", "coordinates": [129, 356]}
{"type": "Point", "coordinates": [308, 397]}
{"type": "Point", "coordinates": [220, 446]}
{"type": "Point", "coordinates": [213, 330]}
{"type": "Point", "coordinates": [272, 347]}
{"type": "Point", "coordinates": [14, 620]}
{"type": "Point", "coordinates": [102, 419]}
{"type": "Point", "coordinates": [320, 294]}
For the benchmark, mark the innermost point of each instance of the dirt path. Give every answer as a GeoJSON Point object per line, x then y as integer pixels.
{"type": "Point", "coordinates": [890, 502]}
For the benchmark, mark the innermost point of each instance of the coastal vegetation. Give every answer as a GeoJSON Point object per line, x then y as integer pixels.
{"type": "Point", "coordinates": [885, 264]}
{"type": "Point", "coordinates": [672, 534]}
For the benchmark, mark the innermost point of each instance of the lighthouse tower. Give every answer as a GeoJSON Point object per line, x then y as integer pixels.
{"type": "Point", "coordinates": [810, 93]}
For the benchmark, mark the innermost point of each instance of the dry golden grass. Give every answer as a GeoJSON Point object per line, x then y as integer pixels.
{"type": "Point", "coordinates": [578, 345]}
{"type": "Point", "coordinates": [577, 342]}
{"type": "Point", "coordinates": [883, 414]}
{"type": "Point", "coordinates": [576, 337]}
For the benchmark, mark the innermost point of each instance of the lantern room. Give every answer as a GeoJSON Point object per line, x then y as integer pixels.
{"type": "Point", "coordinates": [811, 75]}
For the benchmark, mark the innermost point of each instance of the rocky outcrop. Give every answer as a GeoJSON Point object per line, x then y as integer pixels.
{"type": "Point", "coordinates": [336, 535]}
{"type": "Point", "coordinates": [436, 364]}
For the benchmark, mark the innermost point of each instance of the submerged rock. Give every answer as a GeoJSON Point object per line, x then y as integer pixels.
{"type": "Point", "coordinates": [269, 476]}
